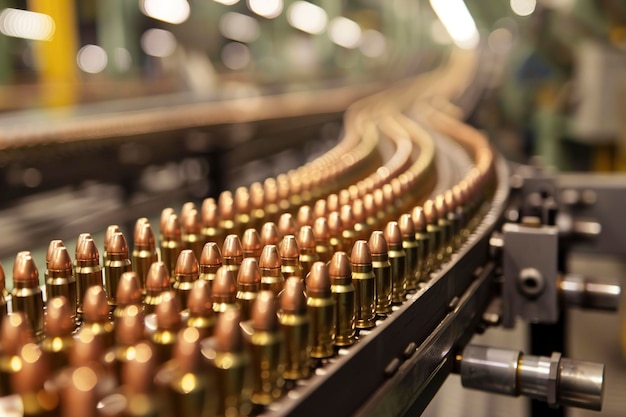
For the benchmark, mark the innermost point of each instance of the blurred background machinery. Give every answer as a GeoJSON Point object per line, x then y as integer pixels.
{"type": "Point", "coordinates": [111, 110]}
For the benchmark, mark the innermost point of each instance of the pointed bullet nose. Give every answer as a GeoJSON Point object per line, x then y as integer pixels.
{"type": "Point", "coordinates": [199, 302]}
{"type": "Point", "coordinates": [117, 245]}
{"type": "Point", "coordinates": [318, 281]}
{"type": "Point", "coordinates": [377, 243]}
{"type": "Point", "coordinates": [335, 225]}
{"type": "Point", "coordinates": [392, 234]}
{"type": "Point", "coordinates": [224, 285]}
{"type": "Point", "coordinates": [209, 214]}
{"type": "Point", "coordinates": [321, 230]}
{"type": "Point", "coordinates": [419, 220]}
{"type": "Point", "coordinates": [51, 248]}
{"type": "Point", "coordinates": [270, 234]}
{"type": "Point", "coordinates": [346, 216]}
{"type": "Point", "coordinates": [292, 298]}
{"type": "Point", "coordinates": [58, 321]}
{"type": "Point", "coordinates": [340, 265]}
{"type": "Point", "coordinates": [405, 223]}
{"type": "Point", "coordinates": [24, 269]}
{"type": "Point", "coordinates": [186, 264]}
{"type": "Point", "coordinates": [286, 224]}
{"type": "Point", "coordinates": [226, 205]}
{"type": "Point", "coordinates": [211, 255]}
{"type": "Point", "coordinates": [270, 258]}
{"type": "Point", "coordinates": [430, 213]}
{"type": "Point", "coordinates": [320, 208]}
{"type": "Point", "coordinates": [264, 312]}
{"type": "Point", "coordinates": [95, 306]}
{"type": "Point", "coordinates": [232, 247]}
{"type": "Point", "coordinates": [87, 251]}
{"type": "Point", "coordinates": [305, 216]}
{"type": "Point", "coordinates": [108, 234]}
{"type": "Point", "coordinates": [306, 238]}
{"type": "Point", "coordinates": [60, 260]}
{"type": "Point", "coordinates": [361, 254]}
{"type": "Point", "coordinates": [130, 326]}
{"type": "Point", "coordinates": [157, 278]}
{"type": "Point", "coordinates": [249, 273]}
{"type": "Point", "coordinates": [128, 289]}
{"type": "Point", "coordinates": [192, 223]}
{"type": "Point", "coordinates": [165, 214]}
{"type": "Point", "coordinates": [251, 243]}
{"type": "Point", "coordinates": [228, 337]}
{"type": "Point", "coordinates": [168, 312]}
{"type": "Point", "coordinates": [172, 229]}
{"type": "Point", "coordinates": [144, 236]}
{"type": "Point", "coordinates": [288, 248]}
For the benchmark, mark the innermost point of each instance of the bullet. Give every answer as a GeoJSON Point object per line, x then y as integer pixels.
{"type": "Point", "coordinates": [348, 233]}
{"type": "Point", "coordinates": [271, 273]}
{"type": "Point", "coordinates": [361, 228]}
{"type": "Point", "coordinates": [344, 197]}
{"type": "Point", "coordinates": [266, 351]}
{"type": "Point", "coordinates": [364, 282]}
{"type": "Point", "coordinates": [29, 382]}
{"type": "Point", "coordinates": [211, 230]}
{"type": "Point", "coordinates": [270, 194]}
{"type": "Point", "coordinates": [380, 205]}
{"type": "Point", "coordinates": [389, 202]}
{"type": "Point", "coordinates": [295, 325]}
{"type": "Point", "coordinates": [382, 270]}
{"type": "Point", "coordinates": [232, 253]}
{"type": "Point", "coordinates": [423, 241]}
{"type": "Point", "coordinates": [371, 219]}
{"type": "Point", "coordinates": [320, 209]}
{"type": "Point", "coordinates": [137, 378]}
{"type": "Point", "coordinates": [225, 358]}
{"type": "Point", "coordinates": [210, 261]}
{"type": "Point", "coordinates": [224, 290]}
{"type": "Point", "coordinates": [332, 203]}
{"type": "Point", "coordinates": [284, 193]}
{"type": "Point", "coordinates": [88, 270]}
{"type": "Point", "coordinates": [172, 244]}
{"type": "Point", "coordinates": [61, 280]}
{"type": "Point", "coordinates": [129, 331]}
{"type": "Point", "coordinates": [81, 391]}
{"type": "Point", "coordinates": [59, 325]}
{"type": "Point", "coordinates": [251, 244]}
{"type": "Point", "coordinates": [321, 308]}
{"type": "Point", "coordinates": [108, 234]}
{"type": "Point", "coordinates": [187, 271]}
{"type": "Point", "coordinates": [4, 295]}
{"type": "Point", "coordinates": [157, 282]}
{"type": "Point", "coordinates": [144, 250]}
{"type": "Point", "coordinates": [295, 190]}
{"type": "Point", "coordinates": [286, 224]}
{"type": "Point", "coordinates": [411, 249]}
{"type": "Point", "coordinates": [290, 257]}
{"type": "Point", "coordinates": [15, 333]}
{"type": "Point", "coordinates": [186, 208]}
{"type": "Point", "coordinates": [257, 205]}
{"type": "Point", "coordinates": [397, 258]}
{"type": "Point", "coordinates": [306, 243]}
{"type": "Point", "coordinates": [322, 239]}
{"type": "Point", "coordinates": [434, 232]}
{"type": "Point", "coordinates": [165, 214]}
{"type": "Point", "coordinates": [242, 209]}
{"type": "Point", "coordinates": [270, 235]}
{"type": "Point", "coordinates": [248, 286]}
{"type": "Point", "coordinates": [51, 248]}
{"type": "Point", "coordinates": [96, 316]}
{"type": "Point", "coordinates": [226, 208]}
{"type": "Point", "coordinates": [183, 386]}
{"type": "Point", "coordinates": [118, 262]}
{"type": "Point", "coordinates": [87, 350]}
{"type": "Point", "coordinates": [445, 226]}
{"type": "Point", "coordinates": [128, 293]}
{"type": "Point", "coordinates": [340, 274]}
{"type": "Point", "coordinates": [305, 216]}
{"type": "Point", "coordinates": [168, 322]}
{"type": "Point", "coordinates": [200, 308]}
{"type": "Point", "coordinates": [26, 294]}
{"type": "Point", "coordinates": [335, 227]}
{"type": "Point", "coordinates": [460, 195]}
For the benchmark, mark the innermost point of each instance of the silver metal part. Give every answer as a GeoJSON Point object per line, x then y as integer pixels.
{"type": "Point", "coordinates": [556, 380]}
{"type": "Point", "coordinates": [588, 293]}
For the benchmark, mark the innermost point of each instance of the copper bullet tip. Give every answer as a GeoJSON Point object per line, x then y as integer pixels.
{"type": "Point", "coordinates": [419, 220]}
{"type": "Point", "coordinates": [377, 243]}
{"type": "Point", "coordinates": [24, 269]}
{"type": "Point", "coordinates": [441, 207]}
{"type": "Point", "coordinates": [270, 234]}
{"type": "Point", "coordinates": [34, 370]}
{"type": "Point", "coordinates": [128, 289]}
{"type": "Point", "coordinates": [172, 228]}
{"type": "Point", "coordinates": [306, 238]}
{"type": "Point", "coordinates": [168, 311]}
{"type": "Point", "coordinates": [335, 225]}
{"type": "Point", "coordinates": [210, 217]}
{"type": "Point", "coordinates": [321, 230]}
{"type": "Point", "coordinates": [79, 241]}
{"type": "Point", "coordinates": [242, 200]}
{"type": "Point", "coordinates": [318, 281]}
{"type": "Point", "coordinates": [430, 213]}
{"type": "Point", "coordinates": [339, 265]}
{"type": "Point", "coordinates": [192, 223]}
{"type": "Point", "coordinates": [332, 202]}
{"type": "Point", "coordinates": [117, 245]}
{"type": "Point", "coordinates": [226, 205]}
{"type": "Point", "coordinates": [270, 258]}
{"type": "Point", "coordinates": [361, 254]}
{"type": "Point", "coordinates": [15, 333]}
{"type": "Point", "coordinates": [95, 306]}
{"type": "Point", "coordinates": [251, 243]}
{"type": "Point", "coordinates": [130, 326]}
{"type": "Point", "coordinates": [344, 197]}
{"type": "Point", "coordinates": [392, 234]}
{"type": "Point", "coordinates": [249, 274]}
{"type": "Point", "coordinates": [144, 236]}
{"type": "Point", "coordinates": [288, 248]}
{"type": "Point", "coordinates": [199, 302]}
{"type": "Point", "coordinates": [232, 247]}
{"type": "Point", "coordinates": [346, 216]}
{"type": "Point", "coordinates": [187, 264]}
{"type": "Point", "coordinates": [186, 208]}
{"type": "Point", "coordinates": [263, 313]}
{"type": "Point", "coordinates": [157, 278]}
{"type": "Point", "coordinates": [187, 350]}
{"type": "Point", "coordinates": [224, 285]}
{"type": "Point", "coordinates": [320, 209]}
{"type": "Point", "coordinates": [60, 260]}
{"type": "Point", "coordinates": [369, 205]}
{"type": "Point", "coordinates": [87, 251]}
{"type": "Point", "coordinates": [292, 298]}
{"type": "Point", "coordinates": [110, 231]}
{"type": "Point", "coordinates": [286, 224]}
{"type": "Point", "coordinates": [51, 247]}
{"type": "Point", "coordinates": [138, 373]}
{"type": "Point", "coordinates": [450, 200]}
{"type": "Point", "coordinates": [58, 320]}
{"type": "Point", "coordinates": [211, 255]}
{"type": "Point", "coordinates": [138, 223]}
{"type": "Point", "coordinates": [305, 216]}
{"type": "Point", "coordinates": [228, 337]}
{"type": "Point", "coordinates": [358, 211]}
{"type": "Point", "coordinates": [165, 214]}
{"type": "Point", "coordinates": [405, 223]}
{"type": "Point", "coordinates": [86, 349]}
{"type": "Point", "coordinates": [3, 278]}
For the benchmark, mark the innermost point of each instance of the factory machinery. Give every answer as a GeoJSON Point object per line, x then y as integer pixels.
{"type": "Point", "coordinates": [351, 285]}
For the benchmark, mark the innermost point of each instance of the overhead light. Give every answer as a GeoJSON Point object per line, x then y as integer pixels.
{"type": "Point", "coordinates": [239, 27]}
{"type": "Point", "coordinates": [344, 32]}
{"type": "Point", "coordinates": [307, 17]}
{"type": "Point", "coordinates": [168, 11]}
{"type": "Point", "coordinates": [268, 9]}
{"type": "Point", "coordinates": [26, 24]}
{"type": "Point", "coordinates": [158, 42]}
{"type": "Point", "coordinates": [91, 59]}
{"type": "Point", "coordinates": [227, 2]}
{"type": "Point", "coordinates": [523, 7]}
{"type": "Point", "coordinates": [458, 21]}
